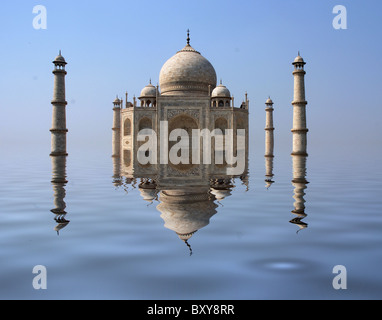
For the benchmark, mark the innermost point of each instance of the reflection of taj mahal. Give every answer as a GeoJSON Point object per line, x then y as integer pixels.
{"type": "Point", "coordinates": [186, 202]}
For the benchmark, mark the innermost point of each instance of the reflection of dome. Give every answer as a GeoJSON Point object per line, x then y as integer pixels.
{"type": "Point", "coordinates": [148, 190]}
{"type": "Point", "coordinates": [268, 182]}
{"type": "Point", "coordinates": [187, 72]}
{"type": "Point", "coordinates": [221, 91]}
{"type": "Point", "coordinates": [149, 91]}
{"type": "Point", "coordinates": [221, 188]}
{"type": "Point", "coordinates": [185, 236]}
{"type": "Point", "coordinates": [186, 211]}
{"type": "Point", "coordinates": [62, 223]}
{"type": "Point", "coordinates": [221, 194]}
{"type": "Point", "coordinates": [148, 194]}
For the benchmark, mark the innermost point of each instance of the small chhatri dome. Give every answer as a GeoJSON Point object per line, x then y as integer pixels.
{"type": "Point", "coordinates": [117, 101]}
{"type": "Point", "coordinates": [59, 59]}
{"type": "Point", "coordinates": [269, 101]}
{"type": "Point", "coordinates": [148, 91]}
{"type": "Point", "coordinates": [298, 59]}
{"type": "Point", "coordinates": [221, 91]}
{"type": "Point", "coordinates": [187, 73]}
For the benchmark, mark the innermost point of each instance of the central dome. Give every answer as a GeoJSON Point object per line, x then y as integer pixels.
{"type": "Point", "coordinates": [187, 73]}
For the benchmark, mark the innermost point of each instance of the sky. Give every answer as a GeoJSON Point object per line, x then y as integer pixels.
{"type": "Point", "coordinates": [116, 46]}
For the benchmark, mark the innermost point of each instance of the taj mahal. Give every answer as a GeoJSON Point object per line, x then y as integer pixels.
{"type": "Point", "coordinates": [187, 98]}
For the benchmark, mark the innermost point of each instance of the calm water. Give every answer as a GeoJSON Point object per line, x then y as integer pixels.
{"type": "Point", "coordinates": [117, 247]}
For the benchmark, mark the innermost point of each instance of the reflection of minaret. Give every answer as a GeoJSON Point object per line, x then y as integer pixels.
{"type": "Point", "coordinates": [59, 103]}
{"type": "Point", "coordinates": [299, 153]}
{"type": "Point", "coordinates": [268, 172]}
{"type": "Point", "coordinates": [269, 142]}
{"type": "Point", "coordinates": [117, 179]}
{"type": "Point", "coordinates": [59, 182]}
{"type": "Point", "coordinates": [299, 182]}
{"type": "Point", "coordinates": [299, 105]}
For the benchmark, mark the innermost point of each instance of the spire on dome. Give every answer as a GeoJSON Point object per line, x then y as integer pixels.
{"type": "Point", "coordinates": [188, 37]}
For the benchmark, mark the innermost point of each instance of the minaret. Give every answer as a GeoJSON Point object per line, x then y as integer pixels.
{"type": "Point", "coordinates": [59, 103]}
{"type": "Point", "coordinates": [117, 128]}
{"type": "Point", "coordinates": [269, 142]}
{"type": "Point", "coordinates": [269, 129]}
{"type": "Point", "coordinates": [299, 105]}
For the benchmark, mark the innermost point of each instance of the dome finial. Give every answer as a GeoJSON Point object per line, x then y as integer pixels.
{"type": "Point", "coordinates": [188, 37]}
{"type": "Point", "coordinates": [189, 247]}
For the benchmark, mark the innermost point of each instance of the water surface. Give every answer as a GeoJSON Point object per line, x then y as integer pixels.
{"type": "Point", "coordinates": [115, 244]}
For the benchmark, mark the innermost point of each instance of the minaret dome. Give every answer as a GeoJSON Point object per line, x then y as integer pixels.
{"type": "Point", "coordinates": [299, 62]}
{"type": "Point", "coordinates": [59, 61]}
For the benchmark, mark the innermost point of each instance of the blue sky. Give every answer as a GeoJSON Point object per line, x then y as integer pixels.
{"type": "Point", "coordinates": [114, 46]}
